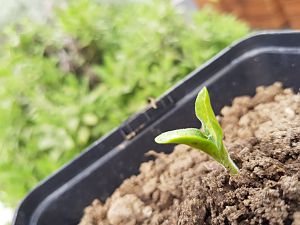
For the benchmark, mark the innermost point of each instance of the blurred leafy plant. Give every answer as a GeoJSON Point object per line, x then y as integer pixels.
{"type": "Point", "coordinates": [63, 84]}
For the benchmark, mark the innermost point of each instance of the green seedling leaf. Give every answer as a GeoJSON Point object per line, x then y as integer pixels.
{"type": "Point", "coordinates": [190, 136]}
{"type": "Point", "coordinates": [209, 140]}
{"type": "Point", "coordinates": [205, 114]}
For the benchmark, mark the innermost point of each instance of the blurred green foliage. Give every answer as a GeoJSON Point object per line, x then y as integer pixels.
{"type": "Point", "coordinates": [66, 83]}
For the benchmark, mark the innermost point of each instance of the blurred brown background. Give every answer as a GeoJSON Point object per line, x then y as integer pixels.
{"type": "Point", "coordinates": [271, 14]}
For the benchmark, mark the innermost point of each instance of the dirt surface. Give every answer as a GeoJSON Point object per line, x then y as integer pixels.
{"type": "Point", "coordinates": [262, 135]}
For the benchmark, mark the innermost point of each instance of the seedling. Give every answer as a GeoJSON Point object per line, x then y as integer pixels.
{"type": "Point", "coordinates": [209, 139]}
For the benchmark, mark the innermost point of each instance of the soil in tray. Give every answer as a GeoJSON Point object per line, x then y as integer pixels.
{"type": "Point", "coordinates": [262, 134]}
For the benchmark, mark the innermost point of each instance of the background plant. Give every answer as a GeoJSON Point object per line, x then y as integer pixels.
{"type": "Point", "coordinates": [65, 84]}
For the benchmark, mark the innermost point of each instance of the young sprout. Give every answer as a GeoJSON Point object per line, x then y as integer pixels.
{"type": "Point", "coordinates": [208, 139]}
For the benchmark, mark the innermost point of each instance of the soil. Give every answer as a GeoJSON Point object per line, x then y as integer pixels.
{"type": "Point", "coordinates": [262, 134]}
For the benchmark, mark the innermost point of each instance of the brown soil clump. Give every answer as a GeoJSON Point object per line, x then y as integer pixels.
{"type": "Point", "coordinates": [262, 134]}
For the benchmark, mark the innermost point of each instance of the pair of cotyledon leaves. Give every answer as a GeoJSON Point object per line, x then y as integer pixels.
{"type": "Point", "coordinates": [209, 139]}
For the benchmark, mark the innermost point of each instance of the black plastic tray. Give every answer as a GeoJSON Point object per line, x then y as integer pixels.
{"type": "Point", "coordinates": [258, 60]}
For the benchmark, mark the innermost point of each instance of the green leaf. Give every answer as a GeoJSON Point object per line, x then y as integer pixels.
{"type": "Point", "coordinates": [83, 135]}
{"type": "Point", "coordinates": [209, 141]}
{"type": "Point", "coordinates": [90, 119]}
{"type": "Point", "coordinates": [205, 114]}
{"type": "Point", "coordinates": [190, 136]}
